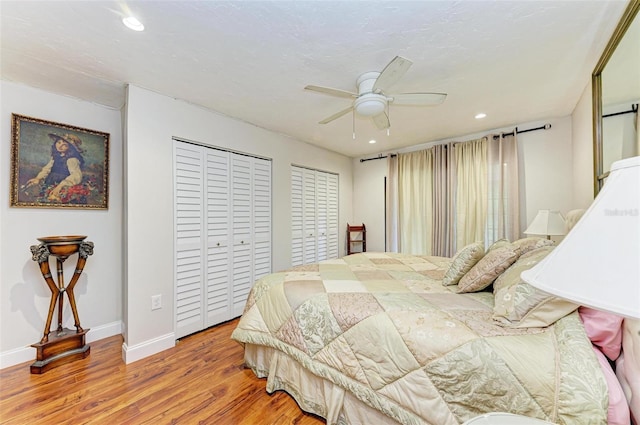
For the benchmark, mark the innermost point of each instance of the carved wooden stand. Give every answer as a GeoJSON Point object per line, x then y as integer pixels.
{"type": "Point", "coordinates": [62, 345]}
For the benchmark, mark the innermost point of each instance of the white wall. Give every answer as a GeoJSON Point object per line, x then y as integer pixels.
{"type": "Point", "coordinates": [619, 134]}
{"type": "Point", "coordinates": [134, 237]}
{"type": "Point", "coordinates": [546, 157]}
{"type": "Point", "coordinates": [24, 296]}
{"type": "Point", "coordinates": [151, 122]}
{"type": "Point", "coordinates": [546, 170]}
{"type": "Point", "coordinates": [582, 150]}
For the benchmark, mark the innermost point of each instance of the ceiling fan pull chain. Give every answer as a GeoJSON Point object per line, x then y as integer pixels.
{"type": "Point", "coordinates": [389, 117]}
{"type": "Point", "coordinates": [353, 115]}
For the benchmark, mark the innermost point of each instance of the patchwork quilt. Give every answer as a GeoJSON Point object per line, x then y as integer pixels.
{"type": "Point", "coordinates": [383, 327]}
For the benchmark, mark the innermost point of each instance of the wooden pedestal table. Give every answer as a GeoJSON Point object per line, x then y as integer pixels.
{"type": "Point", "coordinates": [62, 345]}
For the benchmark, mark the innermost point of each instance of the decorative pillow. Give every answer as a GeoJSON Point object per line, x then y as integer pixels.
{"type": "Point", "coordinates": [487, 269]}
{"type": "Point", "coordinates": [462, 262]}
{"type": "Point", "coordinates": [603, 329]}
{"type": "Point", "coordinates": [529, 244]}
{"type": "Point", "coordinates": [498, 244]}
{"type": "Point", "coordinates": [519, 305]}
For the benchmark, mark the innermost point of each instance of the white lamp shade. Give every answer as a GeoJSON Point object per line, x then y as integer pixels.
{"type": "Point", "coordinates": [598, 262]}
{"type": "Point", "coordinates": [547, 223]}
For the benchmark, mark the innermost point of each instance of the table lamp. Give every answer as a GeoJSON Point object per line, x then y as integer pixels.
{"type": "Point", "coordinates": [548, 223]}
{"type": "Point", "coordinates": [598, 263]}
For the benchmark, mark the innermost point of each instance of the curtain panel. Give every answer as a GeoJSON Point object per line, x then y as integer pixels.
{"type": "Point", "coordinates": [392, 237]}
{"type": "Point", "coordinates": [415, 194]}
{"type": "Point", "coordinates": [503, 213]}
{"type": "Point", "coordinates": [443, 198]}
{"type": "Point", "coordinates": [444, 185]}
{"type": "Point", "coordinates": [472, 191]}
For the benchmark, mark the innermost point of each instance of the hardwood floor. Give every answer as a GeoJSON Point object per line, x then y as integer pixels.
{"type": "Point", "coordinates": [200, 381]}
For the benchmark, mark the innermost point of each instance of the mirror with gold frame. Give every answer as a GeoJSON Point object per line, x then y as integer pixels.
{"type": "Point", "coordinates": [616, 94]}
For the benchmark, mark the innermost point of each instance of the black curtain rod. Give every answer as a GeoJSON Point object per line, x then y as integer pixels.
{"type": "Point", "coordinates": [377, 157]}
{"type": "Point", "coordinates": [542, 127]}
{"type": "Point", "coordinates": [516, 131]}
{"type": "Point", "coordinates": [633, 110]}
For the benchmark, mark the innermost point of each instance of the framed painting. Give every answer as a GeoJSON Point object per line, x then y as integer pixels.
{"type": "Point", "coordinates": [57, 165]}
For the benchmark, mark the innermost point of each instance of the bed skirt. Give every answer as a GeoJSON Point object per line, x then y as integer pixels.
{"type": "Point", "coordinates": [322, 397]}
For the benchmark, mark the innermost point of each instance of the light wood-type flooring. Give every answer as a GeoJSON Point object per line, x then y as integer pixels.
{"type": "Point", "coordinates": [202, 380]}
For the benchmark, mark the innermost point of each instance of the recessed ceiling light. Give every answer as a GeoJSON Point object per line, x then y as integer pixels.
{"type": "Point", "coordinates": [372, 141]}
{"type": "Point", "coordinates": [133, 23]}
{"type": "Point", "coordinates": [481, 115]}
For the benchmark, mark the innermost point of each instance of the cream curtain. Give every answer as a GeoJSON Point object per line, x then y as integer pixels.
{"type": "Point", "coordinates": [391, 208]}
{"type": "Point", "coordinates": [471, 192]}
{"type": "Point", "coordinates": [444, 183]}
{"type": "Point", "coordinates": [503, 211]}
{"type": "Point", "coordinates": [415, 187]}
{"type": "Point", "coordinates": [443, 198]}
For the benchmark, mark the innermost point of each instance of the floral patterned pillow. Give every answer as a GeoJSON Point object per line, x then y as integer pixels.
{"type": "Point", "coordinates": [462, 262]}
{"type": "Point", "coordinates": [529, 244]}
{"type": "Point", "coordinates": [494, 262]}
{"type": "Point", "coordinates": [499, 244]}
{"type": "Point", "coordinates": [519, 305]}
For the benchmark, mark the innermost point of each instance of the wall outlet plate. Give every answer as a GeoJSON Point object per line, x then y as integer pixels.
{"type": "Point", "coordinates": [156, 302]}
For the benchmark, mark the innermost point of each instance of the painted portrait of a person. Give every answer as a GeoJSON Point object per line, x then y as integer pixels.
{"type": "Point", "coordinates": [64, 169]}
{"type": "Point", "coordinates": [56, 165]}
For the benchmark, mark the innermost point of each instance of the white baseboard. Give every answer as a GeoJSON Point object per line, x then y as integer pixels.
{"type": "Point", "coordinates": [17, 356]}
{"type": "Point", "coordinates": [104, 331]}
{"type": "Point", "coordinates": [148, 348]}
{"type": "Point", "coordinates": [26, 354]}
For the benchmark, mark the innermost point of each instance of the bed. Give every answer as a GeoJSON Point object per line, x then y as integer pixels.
{"type": "Point", "coordinates": [387, 338]}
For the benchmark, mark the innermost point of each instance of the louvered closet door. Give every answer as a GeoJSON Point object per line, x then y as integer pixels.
{"type": "Point", "coordinates": [261, 218]}
{"type": "Point", "coordinates": [189, 236]}
{"type": "Point", "coordinates": [297, 216]}
{"type": "Point", "coordinates": [222, 233]}
{"type": "Point", "coordinates": [322, 215]}
{"type": "Point", "coordinates": [218, 213]}
{"type": "Point", "coordinates": [314, 216]}
{"type": "Point", "coordinates": [309, 214]}
{"type": "Point", "coordinates": [332, 216]}
{"type": "Point", "coordinates": [242, 278]}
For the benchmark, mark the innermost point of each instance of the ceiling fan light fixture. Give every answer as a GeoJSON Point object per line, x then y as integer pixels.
{"type": "Point", "coordinates": [370, 105]}
{"type": "Point", "coordinates": [372, 99]}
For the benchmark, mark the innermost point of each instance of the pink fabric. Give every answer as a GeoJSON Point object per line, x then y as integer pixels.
{"type": "Point", "coordinates": [618, 412]}
{"type": "Point", "coordinates": [628, 366]}
{"type": "Point", "coordinates": [604, 330]}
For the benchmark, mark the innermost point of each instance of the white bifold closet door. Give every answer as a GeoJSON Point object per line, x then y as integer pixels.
{"type": "Point", "coordinates": [314, 215]}
{"type": "Point", "coordinates": [222, 233]}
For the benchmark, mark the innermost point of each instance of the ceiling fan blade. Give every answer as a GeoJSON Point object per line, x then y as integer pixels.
{"type": "Point", "coordinates": [331, 92]}
{"type": "Point", "coordinates": [418, 99]}
{"type": "Point", "coordinates": [381, 121]}
{"type": "Point", "coordinates": [336, 115]}
{"type": "Point", "coordinates": [391, 73]}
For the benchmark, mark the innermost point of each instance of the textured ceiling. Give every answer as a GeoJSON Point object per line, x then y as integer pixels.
{"type": "Point", "coordinates": [517, 61]}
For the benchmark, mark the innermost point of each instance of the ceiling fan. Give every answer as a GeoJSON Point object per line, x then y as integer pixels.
{"type": "Point", "coordinates": [371, 100]}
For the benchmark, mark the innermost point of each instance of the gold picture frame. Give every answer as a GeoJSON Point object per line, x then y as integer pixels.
{"type": "Point", "coordinates": [56, 165]}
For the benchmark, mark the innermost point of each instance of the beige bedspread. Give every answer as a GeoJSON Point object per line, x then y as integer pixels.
{"type": "Point", "coordinates": [381, 326]}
